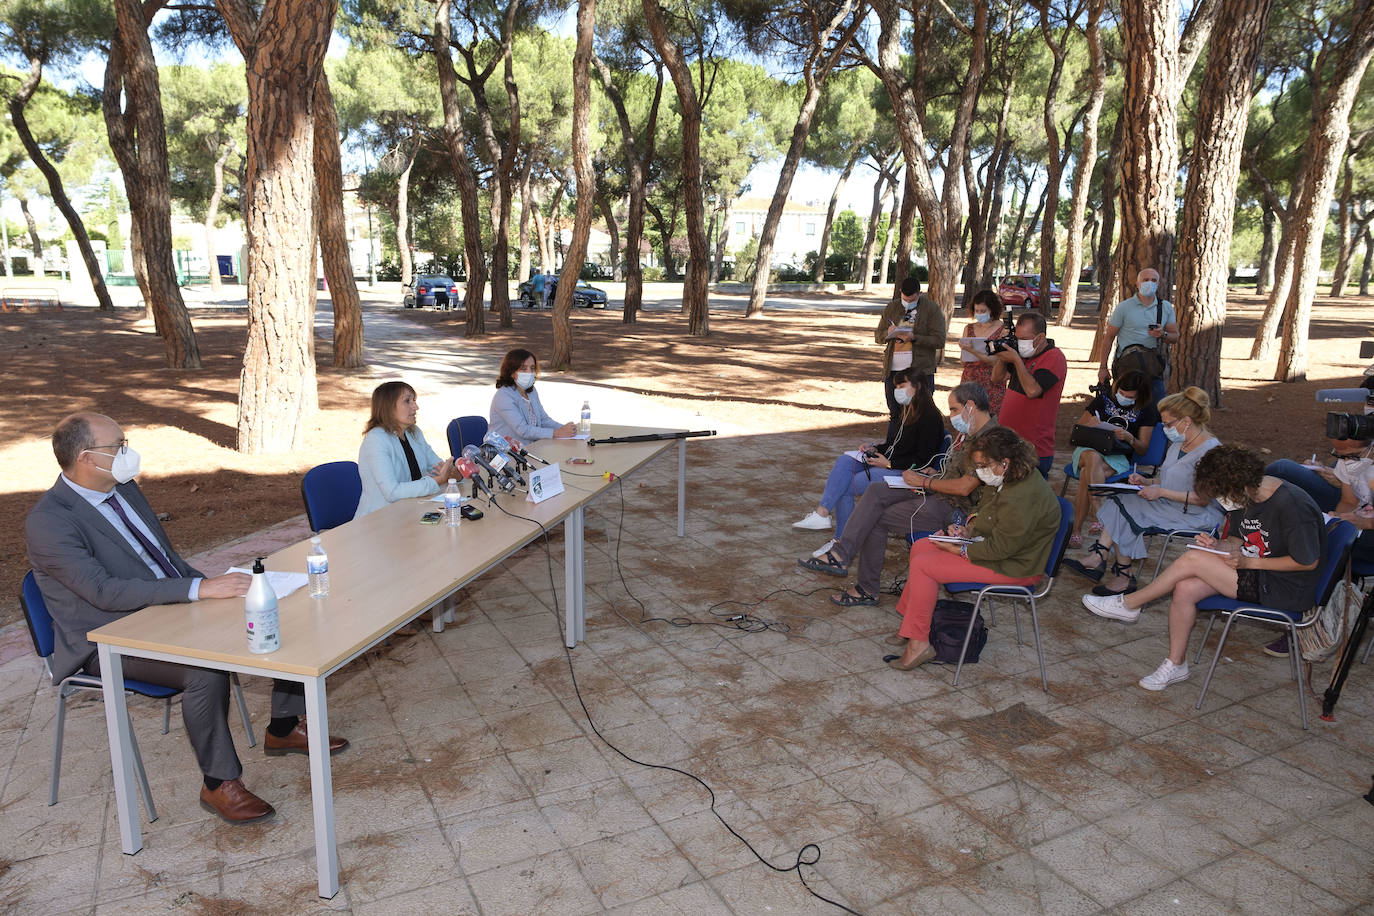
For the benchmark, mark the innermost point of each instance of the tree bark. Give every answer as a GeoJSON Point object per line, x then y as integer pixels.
{"type": "Point", "coordinates": [608, 217]}
{"type": "Point", "coordinates": [824, 247]}
{"type": "Point", "coordinates": [55, 190]}
{"type": "Point", "coordinates": [1209, 201]}
{"type": "Point", "coordinates": [893, 219]}
{"type": "Point", "coordinates": [138, 139]}
{"type": "Point", "coordinates": [881, 188]}
{"type": "Point", "coordinates": [1023, 255]}
{"type": "Point", "coordinates": [212, 214]}
{"type": "Point", "coordinates": [1087, 161]}
{"type": "Point", "coordinates": [1326, 144]}
{"type": "Point", "coordinates": [694, 291]}
{"type": "Point", "coordinates": [456, 140]}
{"type": "Point", "coordinates": [526, 206]}
{"type": "Point", "coordinates": [1054, 162]}
{"type": "Point", "coordinates": [815, 69]}
{"type": "Point", "coordinates": [586, 184]}
{"type": "Point", "coordinates": [403, 215]}
{"type": "Point", "coordinates": [284, 47]}
{"type": "Point", "coordinates": [722, 238]}
{"type": "Point", "coordinates": [1365, 269]}
{"type": "Point", "coordinates": [333, 231]}
{"type": "Point", "coordinates": [34, 241]}
{"type": "Point", "coordinates": [1268, 249]}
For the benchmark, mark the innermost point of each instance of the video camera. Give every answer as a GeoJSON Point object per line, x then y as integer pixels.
{"type": "Point", "coordinates": [1350, 425]}
{"type": "Point", "coordinates": [997, 344]}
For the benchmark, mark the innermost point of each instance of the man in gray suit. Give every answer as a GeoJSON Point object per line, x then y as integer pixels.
{"type": "Point", "coordinates": [99, 553]}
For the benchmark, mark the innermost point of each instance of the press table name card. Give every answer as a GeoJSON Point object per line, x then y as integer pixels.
{"type": "Point", "coordinates": [545, 483]}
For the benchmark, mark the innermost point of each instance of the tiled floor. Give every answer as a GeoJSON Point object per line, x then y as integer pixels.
{"type": "Point", "coordinates": [477, 784]}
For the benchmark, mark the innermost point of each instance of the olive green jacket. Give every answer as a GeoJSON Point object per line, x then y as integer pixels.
{"type": "Point", "coordinates": [1018, 524]}
{"type": "Point", "coordinates": [927, 334]}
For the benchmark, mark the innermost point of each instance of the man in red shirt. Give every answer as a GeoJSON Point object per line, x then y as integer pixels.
{"type": "Point", "coordinates": [1037, 369]}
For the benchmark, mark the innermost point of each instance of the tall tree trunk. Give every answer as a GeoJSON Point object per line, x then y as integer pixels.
{"type": "Point", "coordinates": [816, 67]}
{"type": "Point", "coordinates": [1365, 269]}
{"type": "Point", "coordinates": [333, 230]}
{"type": "Point", "coordinates": [1023, 254]}
{"type": "Point", "coordinates": [1054, 162]}
{"type": "Point", "coordinates": [722, 238]}
{"type": "Point", "coordinates": [35, 242]}
{"type": "Point", "coordinates": [1262, 347]}
{"type": "Point", "coordinates": [1107, 273]}
{"type": "Point", "coordinates": [891, 235]}
{"type": "Point", "coordinates": [1326, 143]}
{"type": "Point", "coordinates": [140, 268]}
{"type": "Point", "coordinates": [586, 184]}
{"type": "Point", "coordinates": [284, 47]}
{"type": "Point", "coordinates": [1344, 240]}
{"type": "Point", "coordinates": [608, 217]}
{"type": "Point", "coordinates": [824, 247]}
{"type": "Point", "coordinates": [906, 236]}
{"type": "Point", "coordinates": [212, 214]}
{"type": "Point", "coordinates": [138, 139]}
{"type": "Point", "coordinates": [456, 139]}
{"type": "Point", "coordinates": [55, 190]}
{"type": "Point", "coordinates": [403, 215]}
{"type": "Point", "coordinates": [541, 237]}
{"type": "Point", "coordinates": [1087, 161]}
{"type": "Point", "coordinates": [694, 290]}
{"type": "Point", "coordinates": [1268, 249]}
{"type": "Point", "coordinates": [1209, 201]}
{"type": "Point", "coordinates": [875, 215]}
{"type": "Point", "coordinates": [526, 205]}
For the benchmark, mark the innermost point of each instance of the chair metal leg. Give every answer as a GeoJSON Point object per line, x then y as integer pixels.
{"type": "Point", "coordinates": [1293, 654]}
{"type": "Point", "coordinates": [968, 636]}
{"type": "Point", "coordinates": [1039, 646]}
{"type": "Point", "coordinates": [1016, 618]}
{"type": "Point", "coordinates": [1221, 644]}
{"type": "Point", "coordinates": [166, 715]}
{"type": "Point", "coordinates": [1211, 619]}
{"type": "Point", "coordinates": [144, 789]}
{"type": "Point", "coordinates": [57, 746]}
{"type": "Point", "coordinates": [243, 708]}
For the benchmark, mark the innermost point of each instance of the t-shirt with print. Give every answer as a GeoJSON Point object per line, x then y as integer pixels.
{"type": "Point", "coordinates": [1106, 409]}
{"type": "Point", "coordinates": [1287, 524]}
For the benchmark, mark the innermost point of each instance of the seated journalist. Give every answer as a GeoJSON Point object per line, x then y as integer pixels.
{"type": "Point", "coordinates": [515, 408]}
{"type": "Point", "coordinates": [99, 553]}
{"type": "Point", "coordinates": [395, 462]}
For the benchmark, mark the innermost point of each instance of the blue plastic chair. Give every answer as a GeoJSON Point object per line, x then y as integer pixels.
{"type": "Point", "coordinates": [331, 493]}
{"type": "Point", "coordinates": [41, 629]}
{"type": "Point", "coordinates": [1020, 593]}
{"type": "Point", "coordinates": [1154, 455]}
{"type": "Point", "coordinates": [465, 431]}
{"type": "Point", "coordinates": [1340, 538]}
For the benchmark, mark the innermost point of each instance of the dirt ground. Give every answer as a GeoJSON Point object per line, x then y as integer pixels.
{"type": "Point", "coordinates": [792, 370]}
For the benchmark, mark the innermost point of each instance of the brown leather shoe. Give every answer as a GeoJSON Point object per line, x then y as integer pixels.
{"type": "Point", "coordinates": [234, 803]}
{"type": "Point", "coordinates": [298, 742]}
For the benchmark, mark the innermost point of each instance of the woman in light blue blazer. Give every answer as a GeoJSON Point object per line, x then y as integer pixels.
{"type": "Point", "coordinates": [515, 410]}
{"type": "Point", "coordinates": [395, 462]}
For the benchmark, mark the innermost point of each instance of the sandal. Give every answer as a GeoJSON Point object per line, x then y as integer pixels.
{"type": "Point", "coordinates": [1095, 528]}
{"type": "Point", "coordinates": [826, 564]}
{"type": "Point", "coordinates": [1075, 540]}
{"type": "Point", "coordinates": [862, 599]}
{"type": "Point", "coordinates": [1118, 569]}
{"type": "Point", "coordinates": [1091, 573]}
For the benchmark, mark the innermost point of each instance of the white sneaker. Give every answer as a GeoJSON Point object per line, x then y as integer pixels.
{"type": "Point", "coordinates": [825, 549]}
{"type": "Point", "coordinates": [814, 521]}
{"type": "Point", "coordinates": [1112, 607]}
{"type": "Point", "coordinates": [1167, 673]}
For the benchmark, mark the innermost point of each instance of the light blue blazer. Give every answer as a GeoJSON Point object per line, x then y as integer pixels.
{"type": "Point", "coordinates": [385, 473]}
{"type": "Point", "coordinates": [512, 415]}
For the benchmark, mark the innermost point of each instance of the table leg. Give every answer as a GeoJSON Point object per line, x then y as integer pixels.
{"type": "Point", "coordinates": [322, 788]}
{"type": "Point", "coordinates": [121, 748]}
{"type": "Point", "coordinates": [574, 599]}
{"type": "Point", "coordinates": [682, 488]}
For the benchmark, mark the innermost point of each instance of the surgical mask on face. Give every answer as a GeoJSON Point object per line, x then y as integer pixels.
{"type": "Point", "coordinates": [902, 395]}
{"type": "Point", "coordinates": [960, 423]}
{"type": "Point", "coordinates": [1148, 287]}
{"type": "Point", "coordinates": [990, 477]}
{"type": "Point", "coordinates": [125, 466]}
{"type": "Point", "coordinates": [525, 380]}
{"type": "Point", "coordinates": [1173, 434]}
{"type": "Point", "coordinates": [1229, 505]}
{"type": "Point", "coordinates": [1026, 348]}
{"type": "Point", "coordinates": [1125, 401]}
{"type": "Point", "coordinates": [982, 317]}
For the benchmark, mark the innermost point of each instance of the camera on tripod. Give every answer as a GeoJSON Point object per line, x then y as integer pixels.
{"type": "Point", "coordinates": [1352, 425]}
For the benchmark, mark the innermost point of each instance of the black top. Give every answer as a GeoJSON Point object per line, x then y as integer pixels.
{"type": "Point", "coordinates": [917, 444]}
{"type": "Point", "coordinates": [410, 458]}
{"type": "Point", "coordinates": [1133, 418]}
{"type": "Point", "coordinates": [1287, 524]}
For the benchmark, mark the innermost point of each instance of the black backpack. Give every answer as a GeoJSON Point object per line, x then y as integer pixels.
{"type": "Point", "coordinates": [948, 625]}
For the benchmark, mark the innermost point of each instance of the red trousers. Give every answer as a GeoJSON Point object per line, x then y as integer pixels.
{"type": "Point", "coordinates": [931, 567]}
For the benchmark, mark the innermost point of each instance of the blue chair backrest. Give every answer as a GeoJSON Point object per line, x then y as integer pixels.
{"type": "Point", "coordinates": [939, 462]}
{"type": "Point", "coordinates": [1340, 538]}
{"type": "Point", "coordinates": [1159, 444]}
{"type": "Point", "coordinates": [36, 612]}
{"type": "Point", "coordinates": [1061, 537]}
{"type": "Point", "coordinates": [465, 431]}
{"type": "Point", "coordinates": [331, 493]}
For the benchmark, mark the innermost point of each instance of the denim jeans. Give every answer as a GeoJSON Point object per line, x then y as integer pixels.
{"type": "Point", "coordinates": [846, 483]}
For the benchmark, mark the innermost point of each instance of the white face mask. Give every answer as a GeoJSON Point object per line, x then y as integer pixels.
{"type": "Point", "coordinates": [125, 466]}
{"type": "Point", "coordinates": [525, 380]}
{"type": "Point", "coordinates": [1026, 348]}
{"type": "Point", "coordinates": [1228, 505]}
{"type": "Point", "coordinates": [902, 395]}
{"type": "Point", "coordinates": [990, 477]}
{"type": "Point", "coordinates": [1174, 434]}
{"type": "Point", "coordinates": [1147, 288]}
{"type": "Point", "coordinates": [982, 317]}
{"type": "Point", "coordinates": [1125, 401]}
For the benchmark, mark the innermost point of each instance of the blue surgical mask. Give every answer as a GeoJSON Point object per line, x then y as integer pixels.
{"type": "Point", "coordinates": [960, 424]}
{"type": "Point", "coordinates": [1173, 434]}
{"type": "Point", "coordinates": [1125, 401]}
{"type": "Point", "coordinates": [525, 380]}
{"type": "Point", "coordinates": [902, 395]}
{"type": "Point", "coordinates": [982, 317]}
{"type": "Point", "coordinates": [1148, 287]}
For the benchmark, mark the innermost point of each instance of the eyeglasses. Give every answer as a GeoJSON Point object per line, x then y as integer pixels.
{"type": "Point", "coordinates": [120, 447]}
{"type": "Point", "coordinates": [1350, 455]}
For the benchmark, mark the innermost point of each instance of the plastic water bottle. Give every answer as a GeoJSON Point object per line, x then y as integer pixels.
{"type": "Point", "coordinates": [260, 613]}
{"type": "Point", "coordinates": [584, 427]}
{"type": "Point", "coordinates": [453, 505]}
{"type": "Point", "coordinates": [317, 567]}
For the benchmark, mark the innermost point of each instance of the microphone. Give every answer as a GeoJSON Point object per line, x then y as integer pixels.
{"type": "Point", "coordinates": [511, 448]}
{"type": "Point", "coordinates": [468, 468]}
{"type": "Point", "coordinates": [503, 463]}
{"type": "Point", "coordinates": [502, 453]}
{"type": "Point", "coordinates": [520, 450]}
{"type": "Point", "coordinates": [1343, 395]}
{"type": "Point", "coordinates": [474, 455]}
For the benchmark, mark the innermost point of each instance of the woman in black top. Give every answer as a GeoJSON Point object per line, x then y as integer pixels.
{"type": "Point", "coordinates": [916, 441]}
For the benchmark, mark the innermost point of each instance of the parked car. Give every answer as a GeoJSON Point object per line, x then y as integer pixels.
{"type": "Point", "coordinates": [1023, 291]}
{"type": "Point", "coordinates": [431, 290]}
{"type": "Point", "coordinates": [585, 296]}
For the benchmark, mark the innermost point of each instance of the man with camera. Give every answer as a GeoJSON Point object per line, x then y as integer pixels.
{"type": "Point", "coordinates": [1344, 489]}
{"type": "Point", "coordinates": [1037, 369]}
{"type": "Point", "coordinates": [1137, 331]}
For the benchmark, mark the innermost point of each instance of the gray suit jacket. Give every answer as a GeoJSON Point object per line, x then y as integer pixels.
{"type": "Point", "coordinates": [89, 574]}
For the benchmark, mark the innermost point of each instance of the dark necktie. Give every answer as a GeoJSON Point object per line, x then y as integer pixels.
{"type": "Point", "coordinates": [410, 458]}
{"type": "Point", "coordinates": [154, 551]}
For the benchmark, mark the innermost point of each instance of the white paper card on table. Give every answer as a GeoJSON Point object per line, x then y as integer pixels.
{"type": "Point", "coordinates": [581, 436]}
{"type": "Point", "coordinates": [283, 583]}
{"type": "Point", "coordinates": [545, 482]}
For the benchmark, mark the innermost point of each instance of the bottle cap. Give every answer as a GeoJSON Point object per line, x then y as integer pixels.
{"type": "Point", "coordinates": [258, 567]}
{"type": "Point", "coordinates": [315, 540]}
